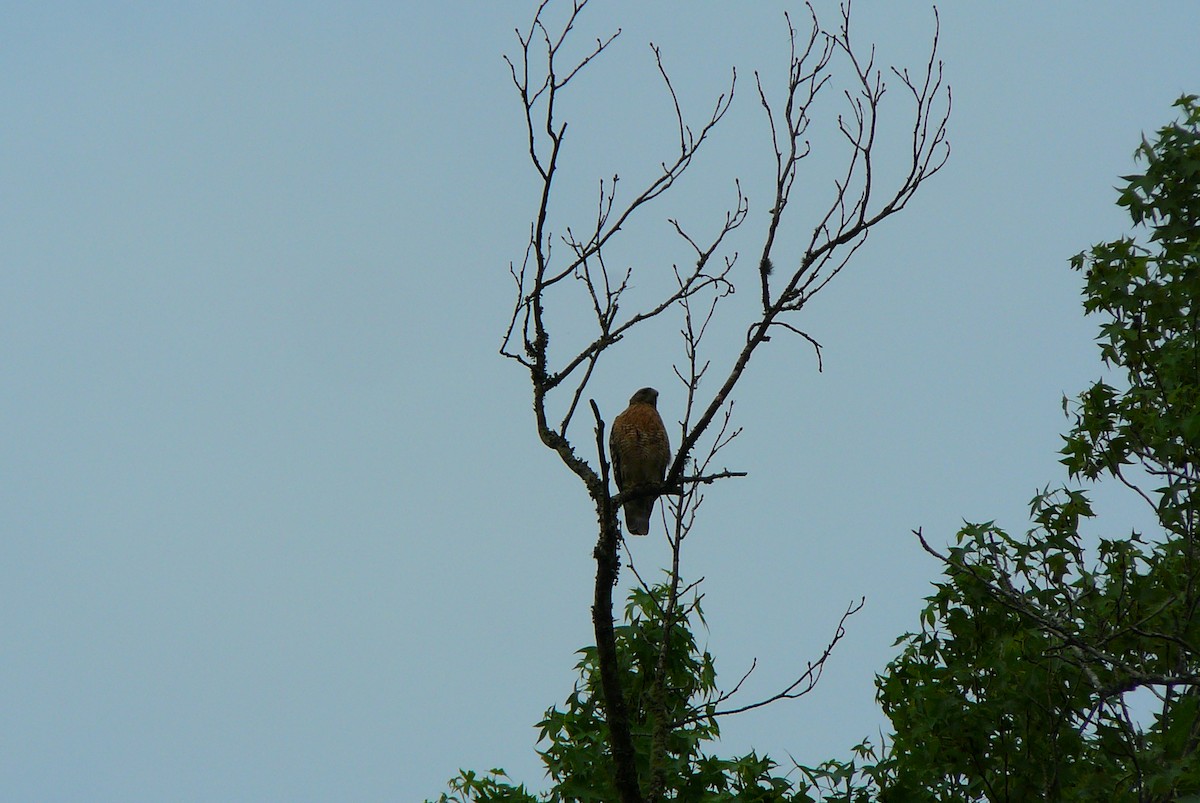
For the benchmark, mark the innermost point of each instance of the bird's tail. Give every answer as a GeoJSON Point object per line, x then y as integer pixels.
{"type": "Point", "coordinates": [637, 516]}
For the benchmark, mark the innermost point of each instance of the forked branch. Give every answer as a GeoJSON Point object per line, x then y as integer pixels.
{"type": "Point", "coordinates": [573, 270]}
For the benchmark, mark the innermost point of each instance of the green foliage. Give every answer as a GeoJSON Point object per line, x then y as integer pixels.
{"type": "Point", "coordinates": [576, 737]}
{"type": "Point", "coordinates": [573, 738]}
{"type": "Point", "coordinates": [1148, 293]}
{"type": "Point", "coordinates": [1058, 665]}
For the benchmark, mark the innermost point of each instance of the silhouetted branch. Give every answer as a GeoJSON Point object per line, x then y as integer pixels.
{"type": "Point", "coordinates": [851, 214]}
{"type": "Point", "coordinates": [597, 293]}
{"type": "Point", "coordinates": [802, 685]}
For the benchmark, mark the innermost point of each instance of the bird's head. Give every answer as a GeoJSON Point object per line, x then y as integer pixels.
{"type": "Point", "coordinates": [645, 396]}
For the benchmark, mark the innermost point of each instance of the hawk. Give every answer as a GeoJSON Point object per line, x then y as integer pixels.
{"type": "Point", "coordinates": [640, 454]}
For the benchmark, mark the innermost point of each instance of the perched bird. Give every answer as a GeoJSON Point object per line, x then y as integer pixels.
{"type": "Point", "coordinates": [640, 454]}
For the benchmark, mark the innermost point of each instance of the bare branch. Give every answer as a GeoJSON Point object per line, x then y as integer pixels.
{"type": "Point", "coordinates": [541, 72]}
{"type": "Point", "coordinates": [816, 346]}
{"type": "Point", "coordinates": [799, 687]}
{"type": "Point", "coordinates": [852, 213]}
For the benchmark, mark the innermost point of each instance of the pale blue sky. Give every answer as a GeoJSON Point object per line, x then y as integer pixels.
{"type": "Point", "coordinates": [275, 523]}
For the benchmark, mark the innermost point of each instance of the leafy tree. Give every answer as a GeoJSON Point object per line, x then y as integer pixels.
{"type": "Point", "coordinates": [1055, 665]}
{"type": "Point", "coordinates": [647, 701]}
{"type": "Point", "coordinates": [1059, 665]}
{"type": "Point", "coordinates": [575, 737]}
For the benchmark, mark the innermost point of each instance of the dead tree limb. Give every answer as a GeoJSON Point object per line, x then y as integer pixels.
{"type": "Point", "coordinates": [579, 276]}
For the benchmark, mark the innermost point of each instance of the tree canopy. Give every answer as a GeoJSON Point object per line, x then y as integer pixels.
{"type": "Point", "coordinates": [1058, 664]}
{"type": "Point", "coordinates": [1064, 664]}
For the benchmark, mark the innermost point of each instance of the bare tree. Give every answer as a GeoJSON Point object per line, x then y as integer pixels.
{"type": "Point", "coordinates": [568, 270]}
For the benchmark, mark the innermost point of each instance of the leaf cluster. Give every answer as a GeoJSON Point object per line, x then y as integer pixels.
{"type": "Point", "coordinates": [1058, 666]}
{"type": "Point", "coordinates": [573, 738]}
